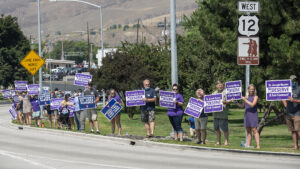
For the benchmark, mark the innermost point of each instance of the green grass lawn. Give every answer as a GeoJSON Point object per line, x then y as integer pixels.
{"type": "Point", "coordinates": [273, 138]}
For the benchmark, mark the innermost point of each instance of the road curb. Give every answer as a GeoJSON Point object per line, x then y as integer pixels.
{"type": "Point", "coordinates": [153, 143]}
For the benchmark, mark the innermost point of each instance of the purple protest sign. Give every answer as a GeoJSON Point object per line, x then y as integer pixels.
{"type": "Point", "coordinates": [213, 103]}
{"type": "Point", "coordinates": [21, 85]}
{"type": "Point", "coordinates": [13, 112]}
{"type": "Point", "coordinates": [278, 90]}
{"type": "Point", "coordinates": [6, 94]}
{"type": "Point", "coordinates": [16, 99]}
{"type": "Point", "coordinates": [33, 89]}
{"type": "Point", "coordinates": [82, 79]}
{"type": "Point", "coordinates": [134, 98]}
{"type": "Point", "coordinates": [55, 103]}
{"type": "Point", "coordinates": [233, 90]}
{"type": "Point", "coordinates": [71, 108]}
{"type": "Point", "coordinates": [194, 107]}
{"type": "Point", "coordinates": [166, 99]}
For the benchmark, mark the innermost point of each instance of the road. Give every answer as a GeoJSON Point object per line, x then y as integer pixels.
{"type": "Point", "coordinates": [33, 148]}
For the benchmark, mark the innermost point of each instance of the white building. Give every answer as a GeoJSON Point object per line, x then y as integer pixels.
{"type": "Point", "coordinates": [52, 63]}
{"type": "Point", "coordinates": [100, 57]}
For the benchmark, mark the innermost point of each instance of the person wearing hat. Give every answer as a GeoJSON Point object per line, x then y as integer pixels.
{"type": "Point", "coordinates": [293, 111]}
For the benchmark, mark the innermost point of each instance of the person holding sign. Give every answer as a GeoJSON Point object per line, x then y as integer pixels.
{"type": "Point", "coordinates": [36, 111]}
{"type": "Point", "coordinates": [221, 118]}
{"type": "Point", "coordinates": [201, 122]}
{"type": "Point", "coordinates": [175, 114]}
{"type": "Point", "coordinates": [92, 113]}
{"type": "Point", "coordinates": [147, 111]}
{"type": "Point", "coordinates": [293, 112]}
{"type": "Point", "coordinates": [116, 119]}
{"type": "Point", "coordinates": [251, 115]}
{"type": "Point", "coordinates": [64, 109]}
{"type": "Point", "coordinates": [27, 108]}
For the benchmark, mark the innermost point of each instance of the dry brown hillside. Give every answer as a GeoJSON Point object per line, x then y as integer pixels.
{"type": "Point", "coordinates": [70, 18]}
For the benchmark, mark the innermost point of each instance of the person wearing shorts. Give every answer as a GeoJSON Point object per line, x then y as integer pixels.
{"type": "Point", "coordinates": [201, 122]}
{"type": "Point", "coordinates": [91, 114]}
{"type": "Point", "coordinates": [221, 118]}
{"type": "Point", "coordinates": [147, 111]}
{"type": "Point", "coordinates": [293, 112]}
{"type": "Point", "coordinates": [36, 111]}
{"type": "Point", "coordinates": [116, 119]}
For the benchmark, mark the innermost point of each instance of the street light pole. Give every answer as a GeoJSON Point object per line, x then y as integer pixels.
{"type": "Point", "coordinates": [174, 70]}
{"type": "Point", "coordinates": [40, 54]}
{"type": "Point", "coordinates": [100, 9]}
{"type": "Point", "coordinates": [101, 33]}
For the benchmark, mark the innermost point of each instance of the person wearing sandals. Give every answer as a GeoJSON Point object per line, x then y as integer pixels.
{"type": "Point", "coordinates": [147, 111]}
{"type": "Point", "coordinates": [116, 119]}
{"type": "Point", "coordinates": [201, 122]}
{"type": "Point", "coordinates": [175, 114]}
{"type": "Point", "coordinates": [36, 115]}
{"type": "Point", "coordinates": [251, 115]}
{"type": "Point", "coordinates": [292, 106]}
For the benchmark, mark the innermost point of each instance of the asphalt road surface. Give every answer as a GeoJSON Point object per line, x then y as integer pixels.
{"type": "Point", "coordinates": [33, 148]}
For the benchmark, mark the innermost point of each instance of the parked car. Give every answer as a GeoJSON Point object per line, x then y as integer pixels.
{"type": "Point", "coordinates": [46, 76]}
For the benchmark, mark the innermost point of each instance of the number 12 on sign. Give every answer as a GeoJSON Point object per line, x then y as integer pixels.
{"type": "Point", "coordinates": [248, 25]}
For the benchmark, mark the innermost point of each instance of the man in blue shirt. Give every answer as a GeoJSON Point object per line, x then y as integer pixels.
{"type": "Point", "coordinates": [293, 111]}
{"type": "Point", "coordinates": [147, 111]}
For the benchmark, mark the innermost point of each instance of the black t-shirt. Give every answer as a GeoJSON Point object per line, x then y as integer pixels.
{"type": "Point", "coordinates": [293, 109]}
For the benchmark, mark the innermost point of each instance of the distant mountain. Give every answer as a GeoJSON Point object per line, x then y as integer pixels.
{"type": "Point", "coordinates": [70, 18]}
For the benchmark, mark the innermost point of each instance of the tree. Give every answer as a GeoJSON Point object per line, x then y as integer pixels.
{"type": "Point", "coordinates": [13, 48]}
{"type": "Point", "coordinates": [209, 47]}
{"type": "Point", "coordinates": [121, 72]}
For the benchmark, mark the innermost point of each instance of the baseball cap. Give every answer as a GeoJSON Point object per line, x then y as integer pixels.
{"type": "Point", "coordinates": [292, 77]}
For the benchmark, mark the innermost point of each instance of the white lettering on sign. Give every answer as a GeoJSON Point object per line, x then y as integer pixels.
{"type": "Point", "coordinates": [248, 6]}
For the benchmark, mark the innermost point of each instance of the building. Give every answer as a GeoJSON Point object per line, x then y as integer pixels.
{"type": "Point", "coordinates": [53, 63]}
{"type": "Point", "coordinates": [100, 57]}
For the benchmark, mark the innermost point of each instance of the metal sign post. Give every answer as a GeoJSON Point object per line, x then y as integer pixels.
{"type": "Point", "coordinates": [248, 46]}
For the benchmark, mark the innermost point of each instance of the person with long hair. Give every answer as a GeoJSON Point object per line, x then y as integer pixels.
{"type": "Point", "coordinates": [116, 119]}
{"type": "Point", "coordinates": [251, 115]}
{"type": "Point", "coordinates": [27, 108]}
{"type": "Point", "coordinates": [175, 114]}
{"type": "Point", "coordinates": [64, 118]}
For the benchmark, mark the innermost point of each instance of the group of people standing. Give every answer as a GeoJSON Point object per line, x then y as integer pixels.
{"type": "Point", "coordinates": [220, 119]}
{"type": "Point", "coordinates": [29, 107]}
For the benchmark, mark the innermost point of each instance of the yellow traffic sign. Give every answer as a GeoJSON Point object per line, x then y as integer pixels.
{"type": "Point", "coordinates": [32, 62]}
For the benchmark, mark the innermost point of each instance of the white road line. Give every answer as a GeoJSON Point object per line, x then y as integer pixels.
{"type": "Point", "coordinates": [19, 156]}
{"type": "Point", "coordinates": [8, 154]}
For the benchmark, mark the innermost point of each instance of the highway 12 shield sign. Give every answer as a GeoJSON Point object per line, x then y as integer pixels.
{"type": "Point", "coordinates": [248, 25]}
{"type": "Point", "coordinates": [32, 62]}
{"type": "Point", "coordinates": [248, 51]}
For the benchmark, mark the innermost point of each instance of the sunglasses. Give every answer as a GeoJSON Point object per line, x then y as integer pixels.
{"type": "Point", "coordinates": [175, 89]}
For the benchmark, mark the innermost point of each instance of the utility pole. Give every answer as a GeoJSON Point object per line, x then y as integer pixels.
{"type": "Point", "coordinates": [88, 38]}
{"type": "Point", "coordinates": [165, 34]}
{"type": "Point", "coordinates": [137, 31]}
{"type": "Point", "coordinates": [174, 70]}
{"type": "Point", "coordinates": [62, 50]}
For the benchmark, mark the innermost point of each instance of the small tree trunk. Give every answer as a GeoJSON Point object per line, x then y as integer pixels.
{"type": "Point", "coordinates": [262, 122]}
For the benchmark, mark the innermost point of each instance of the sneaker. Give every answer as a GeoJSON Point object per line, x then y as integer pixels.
{"type": "Point", "coordinates": [198, 142]}
{"type": "Point", "coordinates": [97, 132]}
{"type": "Point", "coordinates": [91, 131]}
